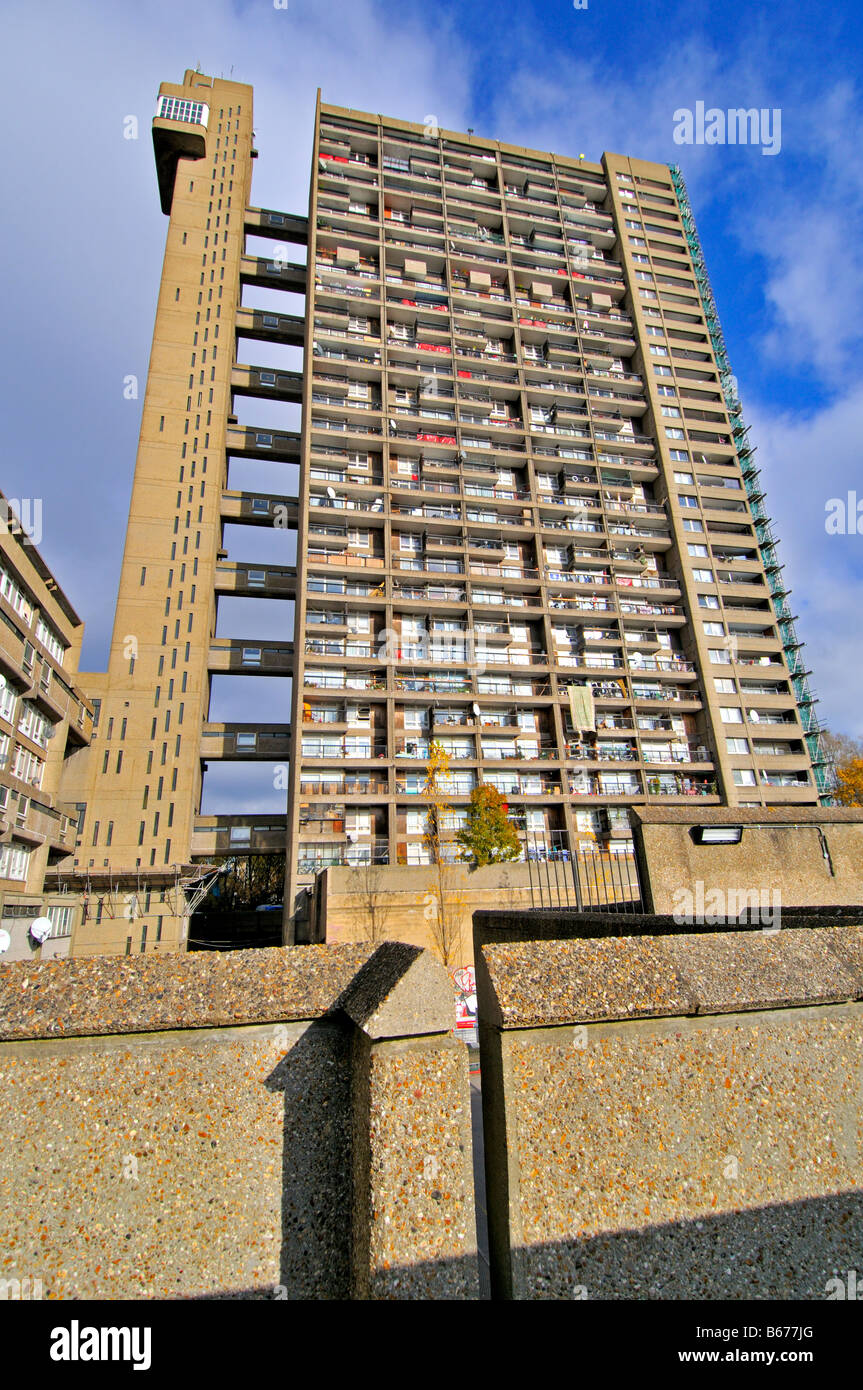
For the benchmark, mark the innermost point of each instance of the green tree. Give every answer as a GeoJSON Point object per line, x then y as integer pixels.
{"type": "Point", "coordinates": [489, 837]}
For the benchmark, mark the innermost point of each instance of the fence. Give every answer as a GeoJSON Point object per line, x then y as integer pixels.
{"type": "Point", "coordinates": [561, 876]}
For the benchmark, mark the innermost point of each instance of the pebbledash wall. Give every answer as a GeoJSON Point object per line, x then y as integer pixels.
{"type": "Point", "coordinates": [674, 1116]}
{"type": "Point", "coordinates": [671, 1117]}
{"type": "Point", "coordinates": [288, 1123]}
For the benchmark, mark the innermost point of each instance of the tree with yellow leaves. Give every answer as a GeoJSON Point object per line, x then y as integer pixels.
{"type": "Point", "coordinates": [446, 903]}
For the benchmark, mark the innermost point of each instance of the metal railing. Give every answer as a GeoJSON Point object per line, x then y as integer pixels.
{"type": "Point", "coordinates": [587, 880]}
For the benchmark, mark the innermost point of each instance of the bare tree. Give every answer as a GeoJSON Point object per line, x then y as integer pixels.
{"type": "Point", "coordinates": [374, 910]}
{"type": "Point", "coordinates": [446, 902]}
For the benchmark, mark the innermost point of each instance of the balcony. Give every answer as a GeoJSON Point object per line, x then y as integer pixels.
{"type": "Point", "coordinates": [313, 857]}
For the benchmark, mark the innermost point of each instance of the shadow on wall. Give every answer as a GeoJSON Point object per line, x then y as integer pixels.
{"type": "Point", "coordinates": [804, 1250]}
{"type": "Point", "coordinates": [789, 1250]}
{"type": "Point", "coordinates": [316, 1164]}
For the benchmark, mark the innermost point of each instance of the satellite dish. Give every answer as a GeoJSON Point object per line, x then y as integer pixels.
{"type": "Point", "coordinates": [41, 928]}
{"type": "Point", "coordinates": [5, 941]}
{"type": "Point", "coordinates": [475, 707]}
{"type": "Point", "coordinates": [331, 492]}
{"type": "Point", "coordinates": [3, 682]}
{"type": "Point", "coordinates": [754, 716]}
{"type": "Point", "coordinates": [352, 837]}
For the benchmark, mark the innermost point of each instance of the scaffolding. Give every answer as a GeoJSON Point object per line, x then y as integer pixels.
{"type": "Point", "coordinates": [822, 763]}
{"type": "Point", "coordinates": [118, 891]}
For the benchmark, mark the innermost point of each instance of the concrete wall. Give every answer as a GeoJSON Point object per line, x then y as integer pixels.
{"type": "Point", "coordinates": [807, 855]}
{"type": "Point", "coordinates": [404, 902]}
{"type": "Point", "coordinates": [277, 1123]}
{"type": "Point", "coordinates": [675, 1117]}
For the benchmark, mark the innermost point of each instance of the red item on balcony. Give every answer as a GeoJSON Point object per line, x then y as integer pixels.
{"type": "Point", "coordinates": [461, 373]}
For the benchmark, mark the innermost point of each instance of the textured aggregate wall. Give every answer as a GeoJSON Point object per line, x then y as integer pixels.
{"type": "Point", "coordinates": [676, 1117]}
{"type": "Point", "coordinates": [268, 1124]}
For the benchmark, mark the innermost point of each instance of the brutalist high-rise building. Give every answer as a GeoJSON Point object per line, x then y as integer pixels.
{"type": "Point", "coordinates": [528, 524]}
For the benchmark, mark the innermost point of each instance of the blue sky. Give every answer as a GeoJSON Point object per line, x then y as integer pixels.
{"type": "Point", "coordinates": [83, 235]}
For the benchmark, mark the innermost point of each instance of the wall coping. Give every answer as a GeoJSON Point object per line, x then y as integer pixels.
{"type": "Point", "coordinates": [530, 983]}
{"type": "Point", "coordinates": [762, 816]}
{"type": "Point", "coordinates": [392, 985]}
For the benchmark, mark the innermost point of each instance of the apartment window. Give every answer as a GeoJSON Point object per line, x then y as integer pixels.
{"type": "Point", "coordinates": [61, 920]}
{"type": "Point", "coordinates": [719, 656]}
{"type": "Point", "coordinates": [708, 601]}
{"type": "Point", "coordinates": [8, 701]}
{"type": "Point", "coordinates": [743, 777]}
{"type": "Point", "coordinates": [180, 109]}
{"type": "Point", "coordinates": [714, 629]}
{"type": "Point", "coordinates": [737, 745]}
{"type": "Point", "coordinates": [27, 767]}
{"type": "Point", "coordinates": [14, 862]}
{"type": "Point", "coordinates": [724, 687]}
{"type": "Point", "coordinates": [685, 478]}
{"type": "Point", "coordinates": [699, 552]}
{"type": "Point", "coordinates": [730, 714]}
{"type": "Point", "coordinates": [49, 639]}
{"type": "Point", "coordinates": [703, 576]}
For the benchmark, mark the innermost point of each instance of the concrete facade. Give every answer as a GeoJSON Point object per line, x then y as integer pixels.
{"type": "Point", "coordinates": [802, 857]}
{"type": "Point", "coordinates": [673, 1117]}
{"type": "Point", "coordinates": [268, 1124]}
{"type": "Point", "coordinates": [518, 514]}
{"type": "Point", "coordinates": [143, 775]}
{"type": "Point", "coordinates": [45, 727]}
